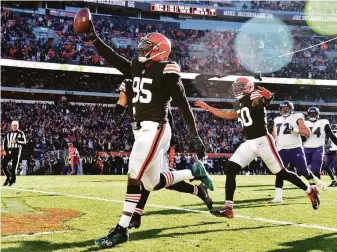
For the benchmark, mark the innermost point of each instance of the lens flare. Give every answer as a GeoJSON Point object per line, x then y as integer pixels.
{"type": "Point", "coordinates": [321, 16]}
{"type": "Point", "coordinates": [260, 42]}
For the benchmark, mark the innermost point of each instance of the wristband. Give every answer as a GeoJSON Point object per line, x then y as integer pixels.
{"type": "Point", "coordinates": [296, 130]}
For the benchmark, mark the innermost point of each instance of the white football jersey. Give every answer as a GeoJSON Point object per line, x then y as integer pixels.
{"type": "Point", "coordinates": [285, 139]}
{"type": "Point", "coordinates": [317, 133]}
{"type": "Point", "coordinates": [204, 159]}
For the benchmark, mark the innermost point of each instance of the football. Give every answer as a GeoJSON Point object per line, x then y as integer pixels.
{"type": "Point", "coordinates": [81, 21]}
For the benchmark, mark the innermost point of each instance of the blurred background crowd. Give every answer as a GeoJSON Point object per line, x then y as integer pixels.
{"type": "Point", "coordinates": [202, 51]}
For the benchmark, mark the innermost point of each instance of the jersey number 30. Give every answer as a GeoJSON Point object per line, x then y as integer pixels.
{"type": "Point", "coordinates": [244, 117]}
{"type": "Point", "coordinates": [142, 95]}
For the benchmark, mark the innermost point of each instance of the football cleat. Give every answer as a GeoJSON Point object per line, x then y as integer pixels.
{"type": "Point", "coordinates": [276, 200]}
{"type": "Point", "coordinates": [223, 212]}
{"type": "Point", "coordinates": [135, 221]}
{"type": "Point", "coordinates": [116, 236]}
{"type": "Point", "coordinates": [205, 196]}
{"type": "Point", "coordinates": [199, 172]}
{"type": "Point", "coordinates": [314, 197]}
{"type": "Point", "coordinates": [333, 183]}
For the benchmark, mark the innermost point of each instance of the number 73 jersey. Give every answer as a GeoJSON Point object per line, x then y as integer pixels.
{"type": "Point", "coordinates": [317, 133]}
{"type": "Point", "coordinates": [285, 139]}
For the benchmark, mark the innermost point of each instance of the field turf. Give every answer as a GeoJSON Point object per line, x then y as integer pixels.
{"type": "Point", "coordinates": [67, 213]}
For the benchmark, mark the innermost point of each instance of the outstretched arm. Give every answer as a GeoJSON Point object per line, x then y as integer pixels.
{"type": "Point", "coordinates": [229, 115]}
{"type": "Point", "coordinates": [122, 64]}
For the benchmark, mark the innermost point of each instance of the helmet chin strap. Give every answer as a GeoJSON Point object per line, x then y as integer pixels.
{"type": "Point", "coordinates": [144, 58]}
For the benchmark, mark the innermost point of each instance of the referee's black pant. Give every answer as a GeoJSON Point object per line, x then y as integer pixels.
{"type": "Point", "coordinates": [15, 156]}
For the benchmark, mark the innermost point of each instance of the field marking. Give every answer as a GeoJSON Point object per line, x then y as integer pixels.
{"type": "Point", "coordinates": [260, 219]}
{"type": "Point", "coordinates": [32, 234]}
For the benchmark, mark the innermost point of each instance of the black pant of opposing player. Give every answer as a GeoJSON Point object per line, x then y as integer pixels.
{"type": "Point", "coordinates": [15, 156]}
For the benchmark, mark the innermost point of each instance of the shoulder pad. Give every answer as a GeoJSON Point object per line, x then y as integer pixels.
{"type": "Point", "coordinates": [277, 118]}
{"type": "Point", "coordinates": [325, 121]}
{"type": "Point", "coordinates": [171, 67]}
{"type": "Point", "coordinates": [299, 116]}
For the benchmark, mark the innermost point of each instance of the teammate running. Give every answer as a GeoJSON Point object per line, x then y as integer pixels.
{"type": "Point", "coordinates": [287, 131]}
{"type": "Point", "coordinates": [155, 82]}
{"type": "Point", "coordinates": [250, 110]}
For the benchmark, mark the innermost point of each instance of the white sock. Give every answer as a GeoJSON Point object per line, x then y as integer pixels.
{"type": "Point", "coordinates": [181, 175]}
{"type": "Point", "coordinates": [316, 180]}
{"type": "Point", "coordinates": [125, 221]}
{"type": "Point", "coordinates": [130, 204]}
{"type": "Point", "coordinates": [229, 203]}
{"type": "Point", "coordinates": [278, 193]}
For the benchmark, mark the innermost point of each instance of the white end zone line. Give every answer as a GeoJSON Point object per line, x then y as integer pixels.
{"type": "Point", "coordinates": [309, 226]}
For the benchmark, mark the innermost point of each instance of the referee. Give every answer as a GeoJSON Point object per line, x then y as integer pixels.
{"type": "Point", "coordinates": [13, 146]}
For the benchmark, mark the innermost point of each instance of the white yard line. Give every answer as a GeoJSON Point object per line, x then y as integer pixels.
{"type": "Point", "coordinates": [309, 226]}
{"type": "Point", "coordinates": [33, 234]}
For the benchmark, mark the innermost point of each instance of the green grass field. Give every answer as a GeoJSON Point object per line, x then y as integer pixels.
{"type": "Point", "coordinates": [172, 221]}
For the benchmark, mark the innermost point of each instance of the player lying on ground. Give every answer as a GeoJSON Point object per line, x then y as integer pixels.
{"type": "Point", "coordinates": [250, 110]}
{"type": "Point", "coordinates": [125, 95]}
{"type": "Point", "coordinates": [314, 145]}
{"type": "Point", "coordinates": [287, 131]}
{"type": "Point", "coordinates": [155, 82]}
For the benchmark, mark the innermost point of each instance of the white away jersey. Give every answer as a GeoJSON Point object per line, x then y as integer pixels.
{"type": "Point", "coordinates": [204, 159]}
{"type": "Point", "coordinates": [317, 133]}
{"type": "Point", "coordinates": [285, 139]}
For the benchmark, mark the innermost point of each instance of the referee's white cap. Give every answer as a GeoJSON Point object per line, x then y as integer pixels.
{"type": "Point", "coordinates": [15, 123]}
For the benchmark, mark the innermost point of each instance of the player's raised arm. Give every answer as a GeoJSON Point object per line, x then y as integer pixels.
{"type": "Point", "coordinates": [261, 97]}
{"type": "Point", "coordinates": [122, 64]}
{"type": "Point", "coordinates": [229, 115]}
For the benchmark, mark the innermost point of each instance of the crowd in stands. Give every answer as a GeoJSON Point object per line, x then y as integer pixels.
{"type": "Point", "coordinates": [94, 128]}
{"type": "Point", "coordinates": [209, 52]}
{"type": "Point", "coordinates": [278, 5]}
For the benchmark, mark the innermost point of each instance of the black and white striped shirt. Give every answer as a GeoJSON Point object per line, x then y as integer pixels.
{"type": "Point", "coordinates": [20, 138]}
